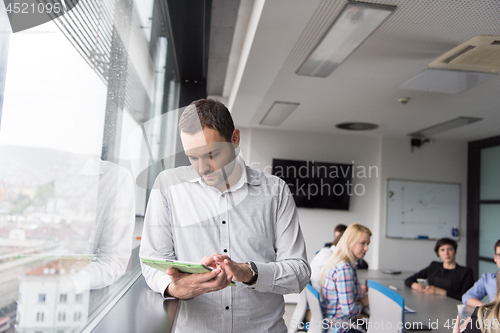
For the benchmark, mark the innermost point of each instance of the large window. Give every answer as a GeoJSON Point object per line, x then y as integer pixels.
{"type": "Point", "coordinates": [72, 94]}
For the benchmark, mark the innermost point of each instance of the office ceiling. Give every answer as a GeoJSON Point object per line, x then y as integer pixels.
{"type": "Point", "coordinates": [272, 38]}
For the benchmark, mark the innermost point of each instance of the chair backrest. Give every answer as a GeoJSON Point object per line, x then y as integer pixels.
{"type": "Point", "coordinates": [297, 320]}
{"type": "Point", "coordinates": [387, 309]}
{"type": "Point", "coordinates": [313, 301]}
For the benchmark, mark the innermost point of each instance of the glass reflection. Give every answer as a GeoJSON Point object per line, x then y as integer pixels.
{"type": "Point", "coordinates": [67, 218]}
{"type": "Point", "coordinates": [70, 243]}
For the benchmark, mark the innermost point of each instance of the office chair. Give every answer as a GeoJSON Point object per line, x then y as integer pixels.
{"type": "Point", "coordinates": [309, 297]}
{"type": "Point", "coordinates": [313, 301]}
{"type": "Point", "coordinates": [298, 313]}
{"type": "Point", "coordinates": [387, 314]}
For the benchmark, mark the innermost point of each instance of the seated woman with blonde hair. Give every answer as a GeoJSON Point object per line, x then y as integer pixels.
{"type": "Point", "coordinates": [485, 318]}
{"type": "Point", "coordinates": [342, 297]}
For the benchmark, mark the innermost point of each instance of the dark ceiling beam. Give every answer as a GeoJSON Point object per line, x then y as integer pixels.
{"type": "Point", "coordinates": [224, 16]}
{"type": "Point", "coordinates": [190, 21]}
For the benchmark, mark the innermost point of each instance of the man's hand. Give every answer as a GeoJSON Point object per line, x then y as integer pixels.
{"type": "Point", "coordinates": [364, 301]}
{"type": "Point", "coordinates": [239, 272]}
{"type": "Point", "coordinates": [184, 286]}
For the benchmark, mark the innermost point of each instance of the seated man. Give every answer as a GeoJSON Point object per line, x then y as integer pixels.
{"type": "Point", "coordinates": [321, 258]}
{"type": "Point", "coordinates": [486, 285]}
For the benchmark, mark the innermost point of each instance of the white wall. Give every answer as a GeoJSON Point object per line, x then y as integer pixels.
{"type": "Point", "coordinates": [441, 161]}
{"type": "Point", "coordinates": [392, 157]}
{"type": "Point", "coordinates": [318, 224]}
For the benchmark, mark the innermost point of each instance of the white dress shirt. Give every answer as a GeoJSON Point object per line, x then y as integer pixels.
{"type": "Point", "coordinates": [256, 219]}
{"type": "Point", "coordinates": [318, 264]}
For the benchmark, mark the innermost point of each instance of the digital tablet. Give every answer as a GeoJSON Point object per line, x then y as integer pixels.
{"type": "Point", "coordinates": [181, 266]}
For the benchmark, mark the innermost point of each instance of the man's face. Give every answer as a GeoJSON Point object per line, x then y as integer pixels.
{"type": "Point", "coordinates": [210, 154]}
{"type": "Point", "coordinates": [497, 256]}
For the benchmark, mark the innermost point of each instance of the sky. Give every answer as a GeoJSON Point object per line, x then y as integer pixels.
{"type": "Point", "coordinates": [53, 99]}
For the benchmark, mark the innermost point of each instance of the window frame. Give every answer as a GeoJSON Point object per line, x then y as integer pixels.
{"type": "Point", "coordinates": [474, 201]}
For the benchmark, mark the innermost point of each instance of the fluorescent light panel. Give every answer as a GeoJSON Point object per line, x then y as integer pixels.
{"type": "Point", "coordinates": [446, 81]}
{"type": "Point", "coordinates": [353, 26]}
{"type": "Point", "coordinates": [446, 126]}
{"type": "Point", "coordinates": [278, 112]}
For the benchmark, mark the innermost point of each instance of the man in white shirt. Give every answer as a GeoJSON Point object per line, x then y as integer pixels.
{"type": "Point", "coordinates": [321, 258]}
{"type": "Point", "coordinates": [231, 217]}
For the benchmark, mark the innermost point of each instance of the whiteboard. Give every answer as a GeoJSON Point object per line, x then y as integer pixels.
{"type": "Point", "coordinates": [422, 210]}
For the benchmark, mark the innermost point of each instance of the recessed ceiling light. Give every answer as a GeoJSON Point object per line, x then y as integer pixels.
{"type": "Point", "coordinates": [442, 127]}
{"type": "Point", "coordinates": [404, 100]}
{"type": "Point", "coordinates": [357, 126]}
{"type": "Point", "coordinates": [446, 81]}
{"type": "Point", "coordinates": [278, 112]}
{"type": "Point", "coordinates": [356, 22]}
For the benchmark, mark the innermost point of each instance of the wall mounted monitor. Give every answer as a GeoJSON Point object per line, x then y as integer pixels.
{"type": "Point", "coordinates": [317, 184]}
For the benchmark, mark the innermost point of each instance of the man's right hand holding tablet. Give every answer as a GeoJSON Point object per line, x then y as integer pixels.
{"type": "Point", "coordinates": [186, 286]}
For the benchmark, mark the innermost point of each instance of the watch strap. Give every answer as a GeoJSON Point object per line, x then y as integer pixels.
{"type": "Point", "coordinates": [255, 272]}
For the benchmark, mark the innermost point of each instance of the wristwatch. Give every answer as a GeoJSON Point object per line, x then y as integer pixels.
{"type": "Point", "coordinates": [255, 272]}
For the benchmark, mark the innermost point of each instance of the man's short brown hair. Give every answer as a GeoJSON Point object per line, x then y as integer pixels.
{"type": "Point", "coordinates": [497, 244]}
{"type": "Point", "coordinates": [207, 113]}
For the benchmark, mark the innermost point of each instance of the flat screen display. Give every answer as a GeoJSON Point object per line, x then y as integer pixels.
{"type": "Point", "coordinates": [317, 184]}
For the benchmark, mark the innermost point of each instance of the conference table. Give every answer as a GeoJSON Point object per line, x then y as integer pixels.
{"type": "Point", "coordinates": [142, 310]}
{"type": "Point", "coordinates": [434, 311]}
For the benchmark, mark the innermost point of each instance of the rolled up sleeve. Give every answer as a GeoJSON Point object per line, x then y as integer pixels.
{"type": "Point", "coordinates": [157, 240]}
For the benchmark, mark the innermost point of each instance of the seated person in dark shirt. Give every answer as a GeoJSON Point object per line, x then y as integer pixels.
{"type": "Point", "coordinates": [447, 278]}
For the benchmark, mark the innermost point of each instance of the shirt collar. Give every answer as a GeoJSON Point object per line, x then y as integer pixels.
{"type": "Point", "coordinates": [252, 176]}
{"type": "Point", "coordinates": [248, 175]}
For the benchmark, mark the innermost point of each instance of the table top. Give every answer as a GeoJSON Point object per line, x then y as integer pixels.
{"type": "Point", "coordinates": [372, 274]}
{"type": "Point", "coordinates": [435, 311]}
{"type": "Point", "coordinates": [143, 310]}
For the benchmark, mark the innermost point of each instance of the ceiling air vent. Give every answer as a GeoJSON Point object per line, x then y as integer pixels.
{"type": "Point", "coordinates": [479, 54]}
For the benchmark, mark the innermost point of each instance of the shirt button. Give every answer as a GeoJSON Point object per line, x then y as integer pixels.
{"type": "Point", "coordinates": [225, 250]}
{"type": "Point", "coordinates": [227, 307]}
{"type": "Point", "coordinates": [223, 222]}
{"type": "Point", "coordinates": [223, 195]}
